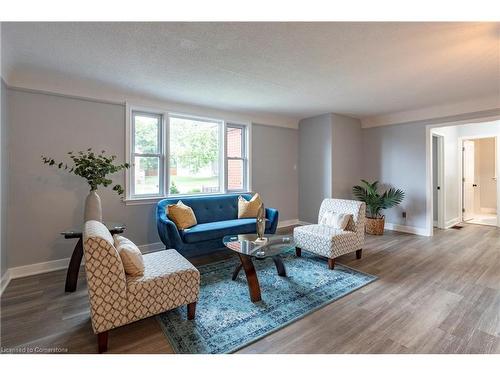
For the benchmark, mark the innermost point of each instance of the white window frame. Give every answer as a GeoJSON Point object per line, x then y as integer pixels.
{"type": "Point", "coordinates": [244, 157]}
{"type": "Point", "coordinates": [164, 138]}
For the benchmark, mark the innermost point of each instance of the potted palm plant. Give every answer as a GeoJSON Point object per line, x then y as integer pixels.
{"type": "Point", "coordinates": [375, 203]}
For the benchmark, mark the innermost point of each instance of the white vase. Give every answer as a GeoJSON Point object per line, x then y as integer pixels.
{"type": "Point", "coordinates": [93, 210]}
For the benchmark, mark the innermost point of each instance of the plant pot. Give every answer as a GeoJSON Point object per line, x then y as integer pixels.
{"type": "Point", "coordinates": [93, 210]}
{"type": "Point", "coordinates": [375, 226]}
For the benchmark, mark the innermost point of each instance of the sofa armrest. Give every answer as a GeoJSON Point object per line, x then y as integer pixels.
{"type": "Point", "coordinates": [272, 215]}
{"type": "Point", "coordinates": [168, 232]}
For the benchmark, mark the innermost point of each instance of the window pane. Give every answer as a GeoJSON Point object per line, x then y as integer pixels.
{"type": "Point", "coordinates": [235, 174]}
{"type": "Point", "coordinates": [234, 142]}
{"type": "Point", "coordinates": [147, 175]}
{"type": "Point", "coordinates": [146, 134]}
{"type": "Point", "coordinates": [194, 156]}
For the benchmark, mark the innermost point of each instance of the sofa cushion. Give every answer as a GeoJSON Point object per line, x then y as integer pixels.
{"type": "Point", "coordinates": [183, 216]}
{"type": "Point", "coordinates": [249, 208]}
{"type": "Point", "coordinates": [219, 229]}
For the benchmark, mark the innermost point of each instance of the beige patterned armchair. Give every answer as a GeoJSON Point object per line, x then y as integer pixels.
{"type": "Point", "coordinates": [332, 242]}
{"type": "Point", "coordinates": [116, 299]}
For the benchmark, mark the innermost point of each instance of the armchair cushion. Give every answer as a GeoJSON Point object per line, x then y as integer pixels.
{"type": "Point", "coordinates": [130, 255]}
{"type": "Point", "coordinates": [335, 219]}
{"type": "Point", "coordinates": [169, 281]}
{"type": "Point", "coordinates": [219, 229]}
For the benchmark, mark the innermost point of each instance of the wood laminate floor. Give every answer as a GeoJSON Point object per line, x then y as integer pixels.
{"type": "Point", "coordinates": [436, 294]}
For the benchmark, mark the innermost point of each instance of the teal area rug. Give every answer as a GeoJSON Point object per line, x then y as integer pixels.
{"type": "Point", "coordinates": [226, 320]}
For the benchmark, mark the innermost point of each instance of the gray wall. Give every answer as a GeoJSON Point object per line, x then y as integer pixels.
{"type": "Point", "coordinates": [315, 165]}
{"type": "Point", "coordinates": [43, 201]}
{"type": "Point", "coordinates": [3, 179]}
{"type": "Point", "coordinates": [274, 168]}
{"type": "Point", "coordinates": [396, 155]}
{"type": "Point", "coordinates": [330, 158]}
{"type": "Point", "coordinates": [346, 154]}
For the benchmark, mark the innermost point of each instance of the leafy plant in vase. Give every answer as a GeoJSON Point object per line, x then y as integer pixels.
{"type": "Point", "coordinates": [95, 168]}
{"type": "Point", "coordinates": [375, 203]}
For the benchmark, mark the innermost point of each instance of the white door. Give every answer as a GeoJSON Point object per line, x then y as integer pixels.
{"type": "Point", "coordinates": [468, 180]}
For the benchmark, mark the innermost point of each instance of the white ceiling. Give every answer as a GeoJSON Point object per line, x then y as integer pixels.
{"type": "Point", "coordinates": [285, 69]}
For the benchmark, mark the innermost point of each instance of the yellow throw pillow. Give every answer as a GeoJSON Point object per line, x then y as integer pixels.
{"type": "Point", "coordinates": [131, 256]}
{"type": "Point", "coordinates": [182, 215]}
{"type": "Point", "coordinates": [249, 209]}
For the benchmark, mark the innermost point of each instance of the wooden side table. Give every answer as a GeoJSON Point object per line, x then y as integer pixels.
{"type": "Point", "coordinates": [76, 257]}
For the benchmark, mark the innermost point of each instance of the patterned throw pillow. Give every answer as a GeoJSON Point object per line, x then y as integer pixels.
{"type": "Point", "coordinates": [335, 219]}
{"type": "Point", "coordinates": [131, 256]}
{"type": "Point", "coordinates": [183, 216]}
{"type": "Point", "coordinates": [249, 209]}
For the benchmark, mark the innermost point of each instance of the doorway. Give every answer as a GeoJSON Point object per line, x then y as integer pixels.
{"type": "Point", "coordinates": [479, 181]}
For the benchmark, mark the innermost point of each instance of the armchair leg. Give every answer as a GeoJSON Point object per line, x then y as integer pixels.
{"type": "Point", "coordinates": [191, 310]}
{"type": "Point", "coordinates": [358, 253]}
{"type": "Point", "coordinates": [298, 251]}
{"type": "Point", "coordinates": [102, 342]}
{"type": "Point", "coordinates": [331, 263]}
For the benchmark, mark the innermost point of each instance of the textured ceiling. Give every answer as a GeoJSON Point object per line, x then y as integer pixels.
{"type": "Point", "coordinates": [292, 69]}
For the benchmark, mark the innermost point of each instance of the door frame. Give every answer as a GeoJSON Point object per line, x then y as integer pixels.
{"type": "Point", "coordinates": [461, 169]}
{"type": "Point", "coordinates": [440, 182]}
{"type": "Point", "coordinates": [429, 230]}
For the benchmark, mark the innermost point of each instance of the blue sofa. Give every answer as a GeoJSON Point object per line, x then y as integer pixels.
{"type": "Point", "coordinates": [217, 216]}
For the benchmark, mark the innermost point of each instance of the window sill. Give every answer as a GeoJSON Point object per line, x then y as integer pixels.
{"type": "Point", "coordinates": [154, 200]}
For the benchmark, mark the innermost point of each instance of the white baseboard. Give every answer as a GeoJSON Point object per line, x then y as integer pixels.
{"type": "Point", "coordinates": [452, 222]}
{"type": "Point", "coordinates": [37, 268]}
{"type": "Point", "coordinates": [406, 229]}
{"type": "Point", "coordinates": [151, 247]}
{"type": "Point", "coordinates": [287, 223]}
{"type": "Point", "coordinates": [59, 264]}
{"type": "Point", "coordinates": [304, 223]}
{"type": "Point", "coordinates": [4, 281]}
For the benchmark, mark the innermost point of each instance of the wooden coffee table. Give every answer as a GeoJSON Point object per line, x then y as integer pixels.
{"type": "Point", "coordinates": [248, 250]}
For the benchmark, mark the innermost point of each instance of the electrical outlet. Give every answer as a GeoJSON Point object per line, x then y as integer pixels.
{"type": "Point", "coordinates": [404, 214]}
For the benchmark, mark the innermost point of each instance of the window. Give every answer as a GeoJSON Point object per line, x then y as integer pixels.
{"type": "Point", "coordinates": [147, 156]}
{"type": "Point", "coordinates": [173, 155]}
{"type": "Point", "coordinates": [194, 156]}
{"type": "Point", "coordinates": [236, 157]}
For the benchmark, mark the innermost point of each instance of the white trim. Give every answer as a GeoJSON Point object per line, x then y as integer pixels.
{"type": "Point", "coordinates": [287, 223]}
{"type": "Point", "coordinates": [407, 229]}
{"type": "Point", "coordinates": [37, 268]}
{"type": "Point", "coordinates": [4, 282]}
{"type": "Point", "coordinates": [59, 264]}
{"type": "Point", "coordinates": [440, 182]}
{"type": "Point", "coordinates": [472, 106]}
{"type": "Point", "coordinates": [305, 223]}
{"type": "Point", "coordinates": [452, 222]}
{"type": "Point", "coordinates": [151, 247]}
